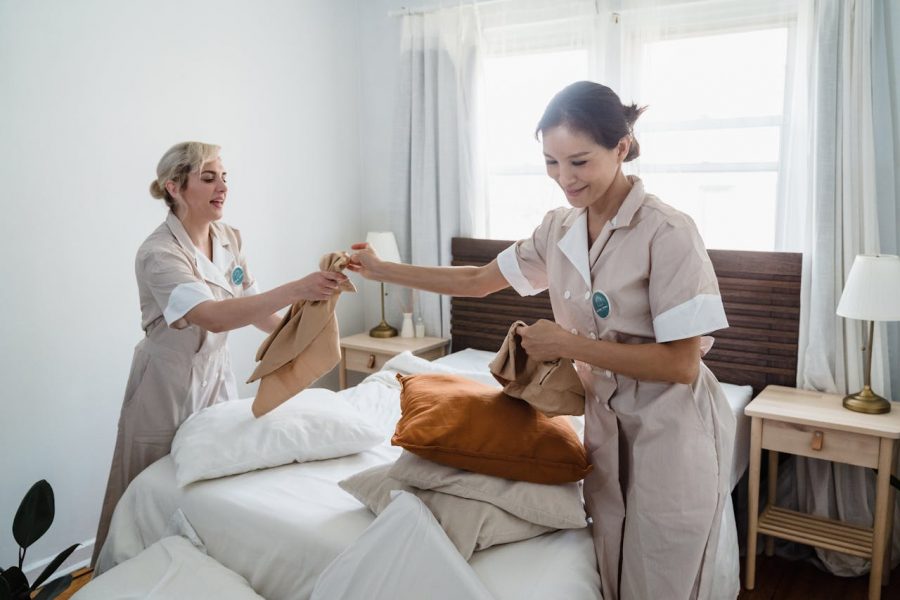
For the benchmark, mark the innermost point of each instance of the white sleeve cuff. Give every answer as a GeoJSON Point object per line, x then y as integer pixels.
{"type": "Point", "coordinates": [508, 262]}
{"type": "Point", "coordinates": [699, 315]}
{"type": "Point", "coordinates": [183, 298]}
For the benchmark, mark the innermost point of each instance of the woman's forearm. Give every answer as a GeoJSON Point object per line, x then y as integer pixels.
{"type": "Point", "coordinates": [675, 362]}
{"type": "Point", "coordinates": [451, 281]}
{"type": "Point", "coordinates": [232, 313]}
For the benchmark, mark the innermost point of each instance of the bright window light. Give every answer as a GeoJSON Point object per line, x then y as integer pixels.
{"type": "Point", "coordinates": [710, 140]}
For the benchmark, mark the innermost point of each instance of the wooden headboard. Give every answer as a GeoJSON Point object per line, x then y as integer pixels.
{"type": "Point", "coordinates": [760, 290]}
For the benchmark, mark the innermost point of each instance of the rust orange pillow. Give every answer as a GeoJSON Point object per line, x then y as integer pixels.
{"type": "Point", "coordinates": [469, 425]}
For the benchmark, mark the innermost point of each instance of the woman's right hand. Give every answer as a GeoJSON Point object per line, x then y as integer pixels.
{"type": "Point", "coordinates": [364, 261]}
{"type": "Point", "coordinates": [319, 285]}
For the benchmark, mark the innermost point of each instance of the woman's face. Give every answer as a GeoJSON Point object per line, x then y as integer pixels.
{"type": "Point", "coordinates": [203, 198]}
{"type": "Point", "coordinates": [584, 169]}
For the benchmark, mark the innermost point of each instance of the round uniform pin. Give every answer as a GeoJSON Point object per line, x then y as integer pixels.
{"type": "Point", "coordinates": [237, 275]}
{"type": "Point", "coordinates": [601, 304]}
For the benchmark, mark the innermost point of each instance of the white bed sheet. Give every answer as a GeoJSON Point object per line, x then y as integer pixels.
{"type": "Point", "coordinates": [279, 528]}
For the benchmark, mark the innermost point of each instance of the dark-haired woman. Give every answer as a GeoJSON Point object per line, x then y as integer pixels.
{"type": "Point", "coordinates": [632, 290]}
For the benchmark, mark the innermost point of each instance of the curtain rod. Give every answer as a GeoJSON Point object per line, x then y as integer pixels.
{"type": "Point", "coordinates": [405, 10]}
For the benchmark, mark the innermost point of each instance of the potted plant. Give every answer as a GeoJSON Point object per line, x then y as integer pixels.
{"type": "Point", "coordinates": [33, 519]}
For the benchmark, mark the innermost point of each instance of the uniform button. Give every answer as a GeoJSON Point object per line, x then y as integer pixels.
{"type": "Point", "coordinates": [593, 336]}
{"type": "Point", "coordinates": [574, 331]}
{"type": "Point", "coordinates": [587, 295]}
{"type": "Point", "coordinates": [608, 373]}
{"type": "Point", "coordinates": [203, 384]}
{"type": "Point", "coordinates": [567, 295]}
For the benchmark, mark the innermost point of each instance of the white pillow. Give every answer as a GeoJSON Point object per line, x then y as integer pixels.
{"type": "Point", "coordinates": [557, 506]}
{"type": "Point", "coordinates": [225, 439]}
{"type": "Point", "coordinates": [170, 568]}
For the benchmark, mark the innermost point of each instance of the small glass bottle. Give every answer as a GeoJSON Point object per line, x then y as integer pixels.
{"type": "Point", "coordinates": [406, 330]}
{"type": "Point", "coordinates": [420, 327]}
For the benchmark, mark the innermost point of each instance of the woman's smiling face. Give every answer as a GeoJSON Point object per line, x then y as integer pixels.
{"type": "Point", "coordinates": [204, 197]}
{"type": "Point", "coordinates": [584, 169]}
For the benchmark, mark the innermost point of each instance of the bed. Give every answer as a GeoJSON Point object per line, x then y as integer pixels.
{"type": "Point", "coordinates": [280, 527]}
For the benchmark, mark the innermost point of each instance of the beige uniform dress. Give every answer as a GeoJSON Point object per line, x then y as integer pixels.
{"type": "Point", "coordinates": [661, 451]}
{"type": "Point", "coordinates": [177, 368]}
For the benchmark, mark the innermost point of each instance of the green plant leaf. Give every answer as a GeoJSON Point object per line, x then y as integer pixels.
{"type": "Point", "coordinates": [15, 581]}
{"type": "Point", "coordinates": [54, 565]}
{"type": "Point", "coordinates": [35, 514]}
{"type": "Point", "coordinates": [54, 588]}
{"type": "Point", "coordinates": [5, 593]}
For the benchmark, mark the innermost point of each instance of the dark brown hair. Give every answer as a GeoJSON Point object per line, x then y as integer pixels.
{"type": "Point", "coordinates": [595, 110]}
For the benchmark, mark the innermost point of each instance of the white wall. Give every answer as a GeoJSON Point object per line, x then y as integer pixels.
{"type": "Point", "coordinates": [91, 94]}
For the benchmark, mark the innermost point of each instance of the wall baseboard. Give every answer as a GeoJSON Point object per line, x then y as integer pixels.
{"type": "Point", "coordinates": [80, 558]}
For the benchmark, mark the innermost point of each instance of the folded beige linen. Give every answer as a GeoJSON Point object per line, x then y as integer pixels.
{"type": "Point", "coordinates": [305, 346]}
{"type": "Point", "coordinates": [551, 387]}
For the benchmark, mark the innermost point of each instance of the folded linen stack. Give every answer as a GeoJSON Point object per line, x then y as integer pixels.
{"type": "Point", "coordinates": [491, 469]}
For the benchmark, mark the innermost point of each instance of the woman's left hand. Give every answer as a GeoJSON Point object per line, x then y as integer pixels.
{"type": "Point", "coordinates": [544, 340]}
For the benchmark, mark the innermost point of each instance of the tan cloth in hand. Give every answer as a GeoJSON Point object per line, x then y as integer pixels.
{"type": "Point", "coordinates": [305, 346]}
{"type": "Point", "coordinates": [551, 387]}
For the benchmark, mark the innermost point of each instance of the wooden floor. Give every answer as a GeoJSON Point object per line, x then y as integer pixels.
{"type": "Point", "coordinates": [780, 579]}
{"type": "Point", "coordinates": [79, 579]}
{"type": "Point", "coordinates": [776, 579]}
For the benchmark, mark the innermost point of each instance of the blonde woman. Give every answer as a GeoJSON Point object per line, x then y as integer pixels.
{"type": "Point", "coordinates": [195, 287]}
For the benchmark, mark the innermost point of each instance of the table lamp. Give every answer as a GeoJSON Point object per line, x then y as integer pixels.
{"type": "Point", "coordinates": [872, 293]}
{"type": "Point", "coordinates": [385, 245]}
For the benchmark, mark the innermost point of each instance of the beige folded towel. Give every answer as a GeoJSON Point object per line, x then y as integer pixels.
{"type": "Point", "coordinates": [305, 346]}
{"type": "Point", "coordinates": [551, 387]}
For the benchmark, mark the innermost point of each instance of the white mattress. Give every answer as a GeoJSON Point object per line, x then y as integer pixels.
{"type": "Point", "coordinates": [279, 528]}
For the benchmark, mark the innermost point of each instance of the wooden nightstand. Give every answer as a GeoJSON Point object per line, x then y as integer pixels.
{"type": "Point", "coordinates": [366, 354]}
{"type": "Point", "coordinates": [814, 424]}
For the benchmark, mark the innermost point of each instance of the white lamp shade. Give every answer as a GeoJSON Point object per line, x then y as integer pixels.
{"type": "Point", "coordinates": [872, 292]}
{"type": "Point", "coordinates": [385, 245]}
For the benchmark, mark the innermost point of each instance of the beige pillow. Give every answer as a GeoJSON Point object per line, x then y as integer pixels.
{"type": "Point", "coordinates": [558, 506]}
{"type": "Point", "coordinates": [470, 524]}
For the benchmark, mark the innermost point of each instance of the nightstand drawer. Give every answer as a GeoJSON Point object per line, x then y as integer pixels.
{"type": "Point", "coordinates": [363, 361]}
{"type": "Point", "coordinates": [819, 442]}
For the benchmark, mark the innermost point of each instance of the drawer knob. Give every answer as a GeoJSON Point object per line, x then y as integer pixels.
{"type": "Point", "coordinates": [818, 439]}
{"type": "Point", "coordinates": [371, 362]}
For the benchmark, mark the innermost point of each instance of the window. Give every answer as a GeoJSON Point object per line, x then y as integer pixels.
{"type": "Point", "coordinates": [710, 139]}
{"type": "Point", "coordinates": [517, 89]}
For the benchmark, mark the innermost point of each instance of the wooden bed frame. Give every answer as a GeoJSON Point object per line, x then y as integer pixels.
{"type": "Point", "coordinates": [760, 290]}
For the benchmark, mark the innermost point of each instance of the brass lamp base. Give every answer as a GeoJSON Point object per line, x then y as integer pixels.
{"type": "Point", "coordinates": [382, 330]}
{"type": "Point", "coordinates": [867, 401]}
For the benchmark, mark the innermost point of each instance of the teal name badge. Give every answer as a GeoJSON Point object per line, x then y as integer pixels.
{"type": "Point", "coordinates": [237, 275]}
{"type": "Point", "coordinates": [601, 304]}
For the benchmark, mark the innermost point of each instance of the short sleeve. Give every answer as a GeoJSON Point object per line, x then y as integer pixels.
{"type": "Point", "coordinates": [173, 283]}
{"type": "Point", "coordinates": [683, 289]}
{"type": "Point", "coordinates": [524, 264]}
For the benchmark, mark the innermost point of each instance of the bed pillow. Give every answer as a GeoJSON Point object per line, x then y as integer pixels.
{"type": "Point", "coordinates": [226, 439]}
{"type": "Point", "coordinates": [470, 524]}
{"type": "Point", "coordinates": [559, 506]}
{"type": "Point", "coordinates": [476, 427]}
{"type": "Point", "coordinates": [170, 568]}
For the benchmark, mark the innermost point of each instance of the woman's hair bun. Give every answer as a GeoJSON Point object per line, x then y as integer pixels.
{"type": "Point", "coordinates": [156, 191]}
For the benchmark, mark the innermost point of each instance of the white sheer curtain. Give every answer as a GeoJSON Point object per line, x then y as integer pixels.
{"type": "Point", "coordinates": [435, 142]}
{"type": "Point", "coordinates": [829, 211]}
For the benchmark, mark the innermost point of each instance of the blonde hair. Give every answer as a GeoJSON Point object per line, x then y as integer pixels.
{"type": "Point", "coordinates": [177, 164]}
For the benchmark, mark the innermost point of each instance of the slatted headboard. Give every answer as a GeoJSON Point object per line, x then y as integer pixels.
{"type": "Point", "coordinates": [760, 290]}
